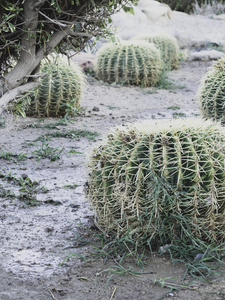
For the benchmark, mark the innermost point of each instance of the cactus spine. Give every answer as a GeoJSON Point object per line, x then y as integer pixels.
{"type": "Point", "coordinates": [60, 89]}
{"type": "Point", "coordinates": [211, 93]}
{"type": "Point", "coordinates": [132, 63]}
{"type": "Point", "coordinates": [149, 177]}
{"type": "Point", "coordinates": [168, 47]}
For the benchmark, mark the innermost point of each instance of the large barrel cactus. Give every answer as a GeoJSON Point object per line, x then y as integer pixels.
{"type": "Point", "coordinates": [60, 89]}
{"type": "Point", "coordinates": [211, 93]}
{"type": "Point", "coordinates": [159, 181]}
{"type": "Point", "coordinates": [167, 45]}
{"type": "Point", "coordinates": [132, 63]}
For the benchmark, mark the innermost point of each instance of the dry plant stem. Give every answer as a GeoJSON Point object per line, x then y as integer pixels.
{"type": "Point", "coordinates": [53, 297]}
{"type": "Point", "coordinates": [113, 293]}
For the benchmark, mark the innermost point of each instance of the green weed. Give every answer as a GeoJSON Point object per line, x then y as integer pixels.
{"type": "Point", "coordinates": [6, 193]}
{"type": "Point", "coordinates": [46, 151]}
{"type": "Point", "coordinates": [152, 91]}
{"type": "Point", "coordinates": [28, 189]}
{"type": "Point", "coordinates": [167, 83]}
{"type": "Point", "coordinates": [2, 122]}
{"type": "Point", "coordinates": [112, 107]}
{"type": "Point", "coordinates": [178, 115]}
{"type": "Point", "coordinates": [72, 133]}
{"type": "Point", "coordinates": [13, 157]}
{"type": "Point", "coordinates": [71, 186]}
{"type": "Point", "coordinates": [173, 107]}
{"type": "Point", "coordinates": [214, 46]}
{"type": "Point", "coordinates": [73, 151]}
{"type": "Point", "coordinates": [62, 122]}
{"type": "Point", "coordinates": [74, 111]}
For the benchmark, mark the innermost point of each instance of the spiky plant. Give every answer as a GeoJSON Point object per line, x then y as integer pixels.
{"type": "Point", "coordinates": [132, 63]}
{"type": "Point", "coordinates": [158, 182]}
{"type": "Point", "coordinates": [211, 93]}
{"type": "Point", "coordinates": [167, 45]}
{"type": "Point", "coordinates": [60, 89]}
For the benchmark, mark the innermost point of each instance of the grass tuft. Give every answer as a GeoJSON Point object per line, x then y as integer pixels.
{"type": "Point", "coordinates": [46, 151]}
{"type": "Point", "coordinates": [28, 188]}
{"type": "Point", "coordinates": [72, 133]}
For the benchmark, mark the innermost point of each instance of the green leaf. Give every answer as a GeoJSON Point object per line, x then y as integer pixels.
{"type": "Point", "coordinates": [128, 9]}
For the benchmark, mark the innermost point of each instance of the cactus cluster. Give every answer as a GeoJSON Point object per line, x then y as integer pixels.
{"type": "Point", "coordinates": [60, 89]}
{"type": "Point", "coordinates": [167, 45]}
{"type": "Point", "coordinates": [129, 62]}
{"type": "Point", "coordinates": [211, 93]}
{"type": "Point", "coordinates": [156, 181]}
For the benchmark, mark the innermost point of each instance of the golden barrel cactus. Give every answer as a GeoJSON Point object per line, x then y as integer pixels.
{"type": "Point", "coordinates": [130, 63]}
{"type": "Point", "coordinates": [211, 93]}
{"type": "Point", "coordinates": [168, 47]}
{"type": "Point", "coordinates": [60, 89]}
{"type": "Point", "coordinates": [158, 181]}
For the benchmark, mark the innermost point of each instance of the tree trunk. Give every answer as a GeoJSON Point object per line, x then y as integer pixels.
{"type": "Point", "coordinates": [29, 59]}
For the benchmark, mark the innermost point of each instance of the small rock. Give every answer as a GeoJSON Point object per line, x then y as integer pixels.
{"type": "Point", "coordinates": [53, 202]}
{"type": "Point", "coordinates": [164, 249]}
{"type": "Point", "coordinates": [199, 256]}
{"type": "Point", "coordinates": [206, 55]}
{"type": "Point", "coordinates": [49, 229]}
{"type": "Point", "coordinates": [219, 17]}
{"type": "Point", "coordinates": [75, 206]}
{"type": "Point", "coordinates": [95, 108]}
{"type": "Point", "coordinates": [171, 295]}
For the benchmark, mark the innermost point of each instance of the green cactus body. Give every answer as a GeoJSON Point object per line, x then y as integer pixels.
{"type": "Point", "coordinates": [131, 63]}
{"type": "Point", "coordinates": [211, 93]}
{"type": "Point", "coordinates": [60, 89]}
{"type": "Point", "coordinates": [167, 45]}
{"type": "Point", "coordinates": [148, 178]}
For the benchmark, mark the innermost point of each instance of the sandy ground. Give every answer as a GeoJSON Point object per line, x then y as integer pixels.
{"type": "Point", "coordinates": [42, 255]}
{"type": "Point", "coordinates": [46, 228]}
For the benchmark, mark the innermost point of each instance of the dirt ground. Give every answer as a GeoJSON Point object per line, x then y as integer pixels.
{"type": "Point", "coordinates": [46, 251]}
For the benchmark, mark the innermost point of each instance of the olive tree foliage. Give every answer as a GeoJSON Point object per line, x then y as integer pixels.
{"type": "Point", "coordinates": [32, 29]}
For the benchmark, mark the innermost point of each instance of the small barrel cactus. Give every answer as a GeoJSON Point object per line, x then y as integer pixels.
{"type": "Point", "coordinates": [167, 45]}
{"type": "Point", "coordinates": [132, 63]}
{"type": "Point", "coordinates": [60, 89]}
{"type": "Point", "coordinates": [159, 181]}
{"type": "Point", "coordinates": [211, 93]}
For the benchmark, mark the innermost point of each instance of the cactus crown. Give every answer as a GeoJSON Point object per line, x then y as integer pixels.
{"type": "Point", "coordinates": [211, 93]}
{"type": "Point", "coordinates": [167, 45]}
{"type": "Point", "coordinates": [60, 89]}
{"type": "Point", "coordinates": [149, 177]}
{"type": "Point", "coordinates": [133, 63]}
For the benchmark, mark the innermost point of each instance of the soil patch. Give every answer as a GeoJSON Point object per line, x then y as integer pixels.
{"type": "Point", "coordinates": [46, 250]}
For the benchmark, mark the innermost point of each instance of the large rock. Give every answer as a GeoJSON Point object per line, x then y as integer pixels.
{"type": "Point", "coordinates": [146, 14]}
{"type": "Point", "coordinates": [206, 55]}
{"type": "Point", "coordinates": [152, 16]}
{"type": "Point", "coordinates": [155, 11]}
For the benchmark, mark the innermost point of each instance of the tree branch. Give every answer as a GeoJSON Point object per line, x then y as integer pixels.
{"type": "Point", "coordinates": [50, 46]}
{"type": "Point", "coordinates": [28, 40]}
{"type": "Point", "coordinates": [52, 21]}
{"type": "Point", "coordinates": [16, 93]}
{"type": "Point", "coordinates": [39, 3]}
{"type": "Point", "coordinates": [17, 75]}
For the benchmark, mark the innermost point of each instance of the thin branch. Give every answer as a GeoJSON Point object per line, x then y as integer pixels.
{"type": "Point", "coordinates": [16, 93]}
{"type": "Point", "coordinates": [56, 22]}
{"type": "Point", "coordinates": [39, 3]}
{"type": "Point", "coordinates": [81, 34]}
